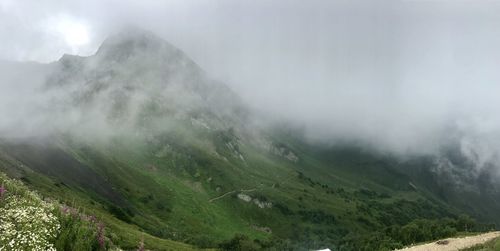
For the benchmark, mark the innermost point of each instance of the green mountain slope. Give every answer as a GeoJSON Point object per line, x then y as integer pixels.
{"type": "Point", "coordinates": [161, 152]}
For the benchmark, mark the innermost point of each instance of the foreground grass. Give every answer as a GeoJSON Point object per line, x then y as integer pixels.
{"type": "Point", "coordinates": [28, 222]}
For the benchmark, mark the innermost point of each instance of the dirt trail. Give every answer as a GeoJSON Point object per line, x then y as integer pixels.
{"type": "Point", "coordinates": [454, 244]}
{"type": "Point", "coordinates": [230, 192]}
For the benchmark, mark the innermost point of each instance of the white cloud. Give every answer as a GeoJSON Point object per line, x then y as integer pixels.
{"type": "Point", "coordinates": [397, 75]}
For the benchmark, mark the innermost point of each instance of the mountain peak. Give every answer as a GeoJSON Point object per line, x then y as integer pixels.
{"type": "Point", "coordinates": [133, 35]}
{"type": "Point", "coordinates": [132, 40]}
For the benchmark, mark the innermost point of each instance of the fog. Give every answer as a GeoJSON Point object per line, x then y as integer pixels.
{"type": "Point", "coordinates": [399, 76]}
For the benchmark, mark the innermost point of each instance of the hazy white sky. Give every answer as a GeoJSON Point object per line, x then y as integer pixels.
{"type": "Point", "coordinates": [398, 72]}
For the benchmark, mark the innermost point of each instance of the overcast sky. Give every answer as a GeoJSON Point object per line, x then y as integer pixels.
{"type": "Point", "coordinates": [402, 74]}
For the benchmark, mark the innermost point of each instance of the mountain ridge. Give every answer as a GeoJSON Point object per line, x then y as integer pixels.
{"type": "Point", "coordinates": [144, 138]}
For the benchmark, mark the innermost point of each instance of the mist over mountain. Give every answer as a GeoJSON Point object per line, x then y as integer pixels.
{"type": "Point", "coordinates": [277, 126]}
{"type": "Point", "coordinates": [355, 72]}
{"type": "Point", "coordinates": [136, 82]}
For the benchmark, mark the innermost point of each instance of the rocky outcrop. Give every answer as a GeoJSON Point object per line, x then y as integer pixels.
{"type": "Point", "coordinates": [259, 203]}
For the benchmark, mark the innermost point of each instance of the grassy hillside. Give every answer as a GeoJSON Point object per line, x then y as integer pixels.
{"type": "Point", "coordinates": [143, 140]}
{"type": "Point", "coordinates": [213, 189]}
{"type": "Point", "coordinates": [29, 221]}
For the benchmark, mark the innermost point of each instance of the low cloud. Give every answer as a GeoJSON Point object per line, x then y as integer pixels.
{"type": "Point", "coordinates": [406, 77]}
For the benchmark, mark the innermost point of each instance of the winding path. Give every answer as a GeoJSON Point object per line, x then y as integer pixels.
{"type": "Point", "coordinates": [230, 192]}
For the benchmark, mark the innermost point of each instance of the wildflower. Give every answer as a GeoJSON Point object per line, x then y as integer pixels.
{"type": "Point", "coordinates": [100, 235]}
{"type": "Point", "coordinates": [27, 221]}
{"type": "Point", "coordinates": [65, 209]}
{"type": "Point", "coordinates": [141, 245]}
{"type": "Point", "coordinates": [2, 191]}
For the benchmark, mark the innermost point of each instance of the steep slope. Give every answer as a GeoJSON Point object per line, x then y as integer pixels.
{"type": "Point", "coordinates": [30, 222]}
{"type": "Point", "coordinates": [140, 134]}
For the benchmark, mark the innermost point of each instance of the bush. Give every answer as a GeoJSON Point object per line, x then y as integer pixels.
{"type": "Point", "coordinates": [119, 213]}
{"type": "Point", "coordinates": [240, 242]}
{"type": "Point", "coordinates": [26, 221]}
{"type": "Point", "coordinates": [29, 223]}
{"type": "Point", "coordinates": [76, 235]}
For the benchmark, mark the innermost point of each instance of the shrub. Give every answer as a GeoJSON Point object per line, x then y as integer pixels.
{"type": "Point", "coordinates": [26, 221]}
{"type": "Point", "coordinates": [119, 213]}
{"type": "Point", "coordinates": [239, 243]}
{"type": "Point", "coordinates": [29, 223]}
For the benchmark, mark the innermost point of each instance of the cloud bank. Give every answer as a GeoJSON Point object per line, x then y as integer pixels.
{"type": "Point", "coordinates": [405, 77]}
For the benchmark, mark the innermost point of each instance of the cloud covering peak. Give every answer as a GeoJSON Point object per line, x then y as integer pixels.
{"type": "Point", "coordinates": [399, 76]}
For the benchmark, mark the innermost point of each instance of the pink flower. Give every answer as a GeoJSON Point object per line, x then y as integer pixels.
{"type": "Point", "coordinates": [65, 209]}
{"type": "Point", "coordinates": [141, 245]}
{"type": "Point", "coordinates": [100, 235]}
{"type": "Point", "coordinates": [2, 191]}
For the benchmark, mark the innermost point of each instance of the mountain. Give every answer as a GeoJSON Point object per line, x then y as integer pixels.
{"type": "Point", "coordinates": [140, 136]}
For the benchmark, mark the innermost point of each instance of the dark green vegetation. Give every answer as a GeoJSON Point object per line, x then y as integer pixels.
{"type": "Point", "coordinates": [192, 168]}
{"type": "Point", "coordinates": [169, 189]}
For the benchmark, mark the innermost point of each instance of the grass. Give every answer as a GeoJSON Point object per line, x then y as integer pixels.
{"type": "Point", "coordinates": [159, 190]}
{"type": "Point", "coordinates": [79, 235]}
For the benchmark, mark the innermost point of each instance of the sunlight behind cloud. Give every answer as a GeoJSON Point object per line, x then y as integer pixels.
{"type": "Point", "coordinates": [69, 34]}
{"type": "Point", "coordinates": [75, 33]}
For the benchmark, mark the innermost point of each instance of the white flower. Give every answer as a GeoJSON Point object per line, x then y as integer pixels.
{"type": "Point", "coordinates": [26, 221]}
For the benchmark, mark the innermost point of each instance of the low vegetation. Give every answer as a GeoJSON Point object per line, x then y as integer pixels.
{"type": "Point", "coordinates": [160, 194]}
{"type": "Point", "coordinates": [28, 222]}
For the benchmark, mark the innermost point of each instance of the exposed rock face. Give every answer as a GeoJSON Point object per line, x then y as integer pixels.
{"type": "Point", "coordinates": [244, 197]}
{"type": "Point", "coordinates": [260, 204]}
{"type": "Point", "coordinates": [137, 80]}
{"type": "Point", "coordinates": [263, 229]}
{"type": "Point", "coordinates": [283, 151]}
